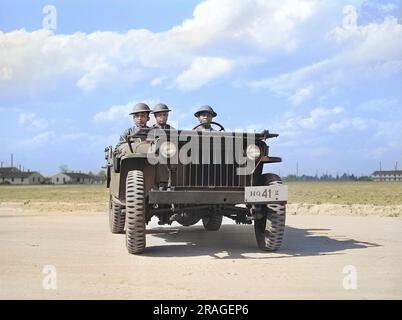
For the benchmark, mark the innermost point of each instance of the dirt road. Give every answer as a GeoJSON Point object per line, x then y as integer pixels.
{"type": "Point", "coordinates": [75, 256]}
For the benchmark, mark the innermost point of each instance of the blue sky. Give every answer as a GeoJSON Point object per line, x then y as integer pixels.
{"type": "Point", "coordinates": [325, 75]}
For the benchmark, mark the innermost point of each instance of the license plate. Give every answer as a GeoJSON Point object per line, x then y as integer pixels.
{"type": "Point", "coordinates": [262, 194]}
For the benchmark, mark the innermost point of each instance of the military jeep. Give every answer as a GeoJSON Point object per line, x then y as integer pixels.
{"type": "Point", "coordinates": [187, 176]}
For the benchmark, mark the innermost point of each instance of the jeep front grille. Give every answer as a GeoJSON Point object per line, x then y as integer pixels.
{"type": "Point", "coordinates": [218, 173]}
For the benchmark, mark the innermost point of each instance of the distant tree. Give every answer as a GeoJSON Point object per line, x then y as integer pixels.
{"type": "Point", "coordinates": [327, 177]}
{"type": "Point", "coordinates": [63, 168]}
{"type": "Point", "coordinates": [365, 178]}
{"type": "Point", "coordinates": [291, 177]}
{"type": "Point", "coordinates": [102, 173]}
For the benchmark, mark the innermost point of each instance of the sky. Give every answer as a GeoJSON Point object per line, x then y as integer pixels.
{"type": "Point", "coordinates": [325, 75]}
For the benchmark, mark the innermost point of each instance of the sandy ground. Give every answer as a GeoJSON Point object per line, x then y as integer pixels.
{"type": "Point", "coordinates": [189, 263]}
{"type": "Point", "coordinates": [331, 209]}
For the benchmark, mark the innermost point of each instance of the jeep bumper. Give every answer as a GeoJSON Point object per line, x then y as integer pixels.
{"type": "Point", "coordinates": [265, 194]}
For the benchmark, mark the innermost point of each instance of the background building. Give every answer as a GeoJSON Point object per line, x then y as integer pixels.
{"type": "Point", "coordinates": [392, 175]}
{"type": "Point", "coordinates": [12, 175]}
{"type": "Point", "coordinates": [75, 178]}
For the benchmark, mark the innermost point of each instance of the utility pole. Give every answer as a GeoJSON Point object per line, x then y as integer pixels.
{"type": "Point", "coordinates": [297, 169]}
{"type": "Point", "coordinates": [396, 169]}
{"type": "Point", "coordinates": [380, 172]}
{"type": "Point", "coordinates": [12, 160]}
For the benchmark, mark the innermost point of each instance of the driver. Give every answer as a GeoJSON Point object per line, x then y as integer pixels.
{"type": "Point", "coordinates": [205, 114]}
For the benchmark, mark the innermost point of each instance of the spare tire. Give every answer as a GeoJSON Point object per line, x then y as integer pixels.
{"type": "Point", "coordinates": [212, 222]}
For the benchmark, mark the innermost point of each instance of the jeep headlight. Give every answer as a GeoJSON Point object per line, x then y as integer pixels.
{"type": "Point", "coordinates": [168, 149]}
{"type": "Point", "coordinates": [253, 152]}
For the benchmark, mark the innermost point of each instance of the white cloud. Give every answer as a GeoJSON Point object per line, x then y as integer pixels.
{"type": "Point", "coordinates": [99, 142]}
{"type": "Point", "coordinates": [321, 122]}
{"type": "Point", "coordinates": [387, 105]}
{"type": "Point", "coordinates": [363, 41]}
{"type": "Point", "coordinates": [301, 95]}
{"type": "Point", "coordinates": [99, 73]}
{"type": "Point", "coordinates": [226, 32]}
{"type": "Point", "coordinates": [26, 117]}
{"type": "Point", "coordinates": [317, 116]}
{"type": "Point", "coordinates": [38, 58]}
{"type": "Point", "coordinates": [285, 83]}
{"type": "Point", "coordinates": [292, 125]}
{"type": "Point", "coordinates": [298, 129]}
{"type": "Point", "coordinates": [72, 137]}
{"type": "Point", "coordinates": [114, 113]}
{"type": "Point", "coordinates": [157, 81]}
{"type": "Point", "coordinates": [265, 24]}
{"type": "Point", "coordinates": [363, 137]}
{"type": "Point", "coordinates": [32, 122]}
{"type": "Point", "coordinates": [388, 7]}
{"type": "Point", "coordinates": [348, 124]}
{"type": "Point", "coordinates": [202, 71]}
{"type": "Point", "coordinates": [367, 52]}
{"type": "Point", "coordinates": [377, 6]}
{"type": "Point", "coordinates": [38, 140]}
{"type": "Point", "coordinates": [386, 139]}
{"type": "Point", "coordinates": [120, 113]}
{"type": "Point", "coordinates": [5, 73]}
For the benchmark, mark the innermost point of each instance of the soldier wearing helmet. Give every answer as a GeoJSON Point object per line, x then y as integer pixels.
{"type": "Point", "coordinates": [161, 113]}
{"type": "Point", "coordinates": [205, 114]}
{"type": "Point", "coordinates": [140, 114]}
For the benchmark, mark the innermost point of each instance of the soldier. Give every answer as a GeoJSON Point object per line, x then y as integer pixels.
{"type": "Point", "coordinates": [140, 114]}
{"type": "Point", "coordinates": [205, 115]}
{"type": "Point", "coordinates": [161, 113]}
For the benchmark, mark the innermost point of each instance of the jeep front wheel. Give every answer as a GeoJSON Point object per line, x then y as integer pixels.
{"type": "Point", "coordinates": [135, 212]}
{"type": "Point", "coordinates": [270, 227]}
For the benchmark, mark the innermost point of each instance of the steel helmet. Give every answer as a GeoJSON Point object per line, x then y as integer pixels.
{"type": "Point", "coordinates": [161, 107]}
{"type": "Point", "coordinates": [140, 107]}
{"type": "Point", "coordinates": [205, 109]}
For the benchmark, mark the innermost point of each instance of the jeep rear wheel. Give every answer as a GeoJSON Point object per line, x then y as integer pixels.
{"type": "Point", "coordinates": [135, 212]}
{"type": "Point", "coordinates": [212, 222]}
{"type": "Point", "coordinates": [270, 228]}
{"type": "Point", "coordinates": [116, 217]}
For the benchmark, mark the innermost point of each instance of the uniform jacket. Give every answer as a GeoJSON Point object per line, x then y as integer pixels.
{"type": "Point", "coordinates": [130, 131]}
{"type": "Point", "coordinates": [205, 127]}
{"type": "Point", "coordinates": [166, 126]}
